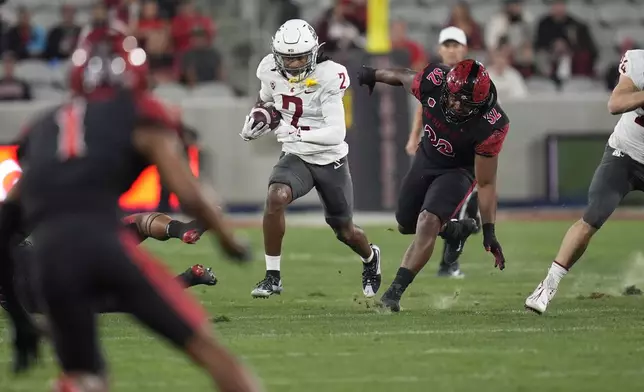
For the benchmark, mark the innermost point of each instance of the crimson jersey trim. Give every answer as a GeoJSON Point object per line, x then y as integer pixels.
{"type": "Point", "coordinates": [491, 146]}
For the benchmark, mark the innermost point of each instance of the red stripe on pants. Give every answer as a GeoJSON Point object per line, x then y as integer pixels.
{"type": "Point", "coordinates": [164, 283]}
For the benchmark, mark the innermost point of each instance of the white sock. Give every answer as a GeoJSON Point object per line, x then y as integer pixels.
{"type": "Point", "coordinates": [272, 263]}
{"type": "Point", "coordinates": [556, 272]}
{"type": "Point", "coordinates": [368, 259]}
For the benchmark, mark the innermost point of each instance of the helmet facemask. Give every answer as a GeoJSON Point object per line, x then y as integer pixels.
{"type": "Point", "coordinates": [467, 108]}
{"type": "Point", "coordinates": [302, 70]}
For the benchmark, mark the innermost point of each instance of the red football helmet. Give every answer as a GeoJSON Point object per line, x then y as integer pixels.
{"type": "Point", "coordinates": [108, 58]}
{"type": "Point", "coordinates": [466, 91]}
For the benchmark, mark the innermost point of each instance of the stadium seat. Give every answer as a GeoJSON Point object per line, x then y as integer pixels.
{"type": "Point", "coordinates": [46, 19]}
{"type": "Point", "coordinates": [536, 9]}
{"type": "Point", "coordinates": [604, 37]}
{"type": "Point", "coordinates": [212, 90]}
{"type": "Point", "coordinates": [49, 93]}
{"type": "Point", "coordinates": [580, 85]}
{"type": "Point", "coordinates": [482, 12]}
{"type": "Point", "coordinates": [583, 12]}
{"type": "Point", "coordinates": [172, 92]}
{"type": "Point", "coordinates": [541, 85]}
{"type": "Point", "coordinates": [60, 74]}
{"type": "Point", "coordinates": [633, 32]}
{"type": "Point", "coordinates": [34, 71]}
{"type": "Point", "coordinates": [617, 14]}
{"type": "Point", "coordinates": [436, 16]}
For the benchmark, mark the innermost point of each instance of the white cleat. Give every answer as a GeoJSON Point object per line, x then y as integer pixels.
{"type": "Point", "coordinates": [538, 301]}
{"type": "Point", "coordinates": [267, 287]}
{"type": "Point", "coordinates": [372, 274]}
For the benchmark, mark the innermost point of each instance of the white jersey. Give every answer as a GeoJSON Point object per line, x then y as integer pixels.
{"type": "Point", "coordinates": [628, 135]}
{"type": "Point", "coordinates": [314, 106]}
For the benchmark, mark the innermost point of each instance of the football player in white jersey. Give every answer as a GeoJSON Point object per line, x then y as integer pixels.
{"type": "Point", "coordinates": [620, 171]}
{"type": "Point", "coordinates": [307, 89]}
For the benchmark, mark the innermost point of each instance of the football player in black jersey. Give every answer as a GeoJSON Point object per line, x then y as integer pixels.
{"type": "Point", "coordinates": [463, 132]}
{"type": "Point", "coordinates": [78, 159]}
{"type": "Point", "coordinates": [452, 49]}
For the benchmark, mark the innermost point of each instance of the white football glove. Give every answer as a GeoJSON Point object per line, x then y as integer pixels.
{"type": "Point", "coordinates": [287, 133]}
{"type": "Point", "coordinates": [251, 133]}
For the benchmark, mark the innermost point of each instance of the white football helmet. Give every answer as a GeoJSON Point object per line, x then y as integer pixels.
{"type": "Point", "coordinates": [295, 39]}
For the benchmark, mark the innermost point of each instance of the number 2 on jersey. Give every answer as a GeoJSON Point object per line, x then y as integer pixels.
{"type": "Point", "coordinates": [287, 100]}
{"type": "Point", "coordinates": [443, 146]}
{"type": "Point", "coordinates": [71, 131]}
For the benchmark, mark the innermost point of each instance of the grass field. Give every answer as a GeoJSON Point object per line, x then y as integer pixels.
{"type": "Point", "coordinates": [453, 335]}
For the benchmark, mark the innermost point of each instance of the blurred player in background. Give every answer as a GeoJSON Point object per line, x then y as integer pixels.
{"type": "Point", "coordinates": [78, 160]}
{"type": "Point", "coordinates": [620, 171]}
{"type": "Point", "coordinates": [464, 131]}
{"type": "Point", "coordinates": [452, 48]}
{"type": "Point", "coordinates": [307, 89]}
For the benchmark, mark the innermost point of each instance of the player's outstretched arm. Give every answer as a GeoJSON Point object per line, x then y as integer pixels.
{"type": "Point", "coordinates": [392, 76]}
{"type": "Point", "coordinates": [625, 96]}
{"type": "Point", "coordinates": [486, 167]}
{"type": "Point", "coordinates": [162, 148]}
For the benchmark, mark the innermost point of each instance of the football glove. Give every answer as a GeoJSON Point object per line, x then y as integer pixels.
{"type": "Point", "coordinates": [288, 134]}
{"type": "Point", "coordinates": [250, 132]}
{"type": "Point", "coordinates": [367, 77]}
{"type": "Point", "coordinates": [491, 244]}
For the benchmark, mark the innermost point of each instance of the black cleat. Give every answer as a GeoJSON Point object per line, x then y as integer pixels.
{"type": "Point", "coordinates": [267, 287]}
{"type": "Point", "coordinates": [198, 274]}
{"type": "Point", "coordinates": [371, 274]}
{"type": "Point", "coordinates": [391, 298]}
{"type": "Point", "coordinates": [454, 248]}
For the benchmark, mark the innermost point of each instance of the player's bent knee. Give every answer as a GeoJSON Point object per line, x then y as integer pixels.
{"type": "Point", "coordinates": [406, 224]}
{"type": "Point", "coordinates": [345, 233]}
{"type": "Point", "coordinates": [406, 230]}
{"type": "Point", "coordinates": [428, 221]}
{"type": "Point", "coordinates": [279, 196]}
{"type": "Point", "coordinates": [598, 212]}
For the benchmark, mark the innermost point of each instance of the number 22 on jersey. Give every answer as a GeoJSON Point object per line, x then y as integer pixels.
{"type": "Point", "coordinates": [443, 146]}
{"type": "Point", "coordinates": [71, 131]}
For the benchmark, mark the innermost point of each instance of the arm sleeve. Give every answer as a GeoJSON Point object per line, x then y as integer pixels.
{"type": "Point", "coordinates": [632, 65]}
{"type": "Point", "coordinates": [427, 80]}
{"type": "Point", "coordinates": [151, 111]}
{"type": "Point", "coordinates": [335, 129]}
{"type": "Point", "coordinates": [265, 93]}
{"type": "Point", "coordinates": [491, 146]}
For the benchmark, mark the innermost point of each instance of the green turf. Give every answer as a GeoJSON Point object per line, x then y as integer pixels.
{"type": "Point", "coordinates": [453, 335]}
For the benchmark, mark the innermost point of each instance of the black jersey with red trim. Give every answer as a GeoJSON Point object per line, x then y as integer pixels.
{"type": "Point", "coordinates": [448, 145]}
{"type": "Point", "coordinates": [80, 157]}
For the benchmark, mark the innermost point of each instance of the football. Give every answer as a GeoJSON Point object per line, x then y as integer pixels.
{"type": "Point", "coordinates": [266, 114]}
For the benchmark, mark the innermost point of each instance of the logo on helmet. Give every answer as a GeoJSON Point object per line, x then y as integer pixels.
{"type": "Point", "coordinates": [466, 91]}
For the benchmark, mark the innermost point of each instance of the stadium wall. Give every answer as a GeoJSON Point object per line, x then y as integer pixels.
{"type": "Point", "coordinates": [240, 170]}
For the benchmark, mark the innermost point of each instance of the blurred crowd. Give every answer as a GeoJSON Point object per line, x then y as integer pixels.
{"type": "Point", "coordinates": [524, 51]}
{"type": "Point", "coordinates": [177, 37]}
{"type": "Point", "coordinates": [515, 45]}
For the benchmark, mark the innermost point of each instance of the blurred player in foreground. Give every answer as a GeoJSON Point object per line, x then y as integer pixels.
{"type": "Point", "coordinates": [464, 129]}
{"type": "Point", "coordinates": [307, 87]}
{"type": "Point", "coordinates": [620, 171]}
{"type": "Point", "coordinates": [78, 159]}
{"type": "Point", "coordinates": [452, 49]}
{"type": "Point", "coordinates": [144, 225]}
